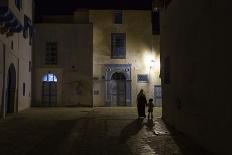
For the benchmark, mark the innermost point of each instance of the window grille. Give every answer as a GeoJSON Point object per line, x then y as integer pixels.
{"type": "Point", "coordinates": [142, 78]}
{"type": "Point", "coordinates": [51, 53]}
{"type": "Point", "coordinates": [118, 47]}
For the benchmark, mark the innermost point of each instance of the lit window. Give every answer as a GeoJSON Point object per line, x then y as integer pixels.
{"type": "Point", "coordinates": [49, 78]}
{"type": "Point", "coordinates": [118, 46]}
{"type": "Point", "coordinates": [142, 78]}
{"type": "Point", "coordinates": [118, 17]}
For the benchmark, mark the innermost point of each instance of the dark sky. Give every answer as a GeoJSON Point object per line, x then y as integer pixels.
{"type": "Point", "coordinates": [44, 7]}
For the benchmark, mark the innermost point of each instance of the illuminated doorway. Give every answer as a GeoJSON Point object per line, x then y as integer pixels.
{"type": "Point", "coordinates": [11, 90]}
{"type": "Point", "coordinates": [49, 90]}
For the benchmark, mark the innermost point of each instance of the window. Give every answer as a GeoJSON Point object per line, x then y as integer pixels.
{"type": "Point", "coordinates": [167, 70]}
{"type": "Point", "coordinates": [24, 89]}
{"type": "Point", "coordinates": [18, 4]}
{"type": "Point", "coordinates": [51, 53]}
{"type": "Point", "coordinates": [117, 17]}
{"type": "Point", "coordinates": [4, 48]}
{"type": "Point", "coordinates": [49, 78]}
{"type": "Point", "coordinates": [12, 45]}
{"type": "Point", "coordinates": [31, 35]}
{"type": "Point", "coordinates": [30, 66]}
{"type": "Point", "coordinates": [118, 46]}
{"type": "Point", "coordinates": [142, 78]}
{"type": "Point", "coordinates": [156, 22]}
{"type": "Point", "coordinates": [25, 33]}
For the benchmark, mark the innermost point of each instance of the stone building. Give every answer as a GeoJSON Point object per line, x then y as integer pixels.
{"type": "Point", "coordinates": [95, 58]}
{"type": "Point", "coordinates": [15, 55]}
{"type": "Point", "coordinates": [195, 59]}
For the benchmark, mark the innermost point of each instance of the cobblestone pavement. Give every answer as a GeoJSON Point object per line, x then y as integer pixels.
{"type": "Point", "coordinates": [88, 131]}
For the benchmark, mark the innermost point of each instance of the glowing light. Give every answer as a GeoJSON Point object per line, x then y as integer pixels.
{"type": "Point", "coordinates": [149, 60]}
{"type": "Point", "coordinates": [49, 78]}
{"type": "Point", "coordinates": [152, 63]}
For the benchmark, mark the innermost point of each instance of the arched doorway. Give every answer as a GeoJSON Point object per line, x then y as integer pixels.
{"type": "Point", "coordinates": [11, 89]}
{"type": "Point", "coordinates": [49, 90]}
{"type": "Point", "coordinates": [118, 89]}
{"type": "Point", "coordinates": [116, 75]}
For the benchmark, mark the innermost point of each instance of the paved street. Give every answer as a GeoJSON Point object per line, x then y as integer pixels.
{"type": "Point", "coordinates": [88, 131]}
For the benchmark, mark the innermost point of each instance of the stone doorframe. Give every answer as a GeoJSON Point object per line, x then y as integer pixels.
{"type": "Point", "coordinates": [110, 69]}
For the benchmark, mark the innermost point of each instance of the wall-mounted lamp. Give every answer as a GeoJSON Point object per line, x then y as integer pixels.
{"type": "Point", "coordinates": [152, 63]}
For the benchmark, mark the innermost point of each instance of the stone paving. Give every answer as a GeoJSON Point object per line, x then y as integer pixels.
{"type": "Point", "coordinates": [89, 131]}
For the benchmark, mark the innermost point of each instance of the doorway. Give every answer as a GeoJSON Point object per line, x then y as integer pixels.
{"type": "Point", "coordinates": [11, 89]}
{"type": "Point", "coordinates": [118, 84]}
{"type": "Point", "coordinates": [118, 89]}
{"type": "Point", "coordinates": [158, 96]}
{"type": "Point", "coordinates": [49, 90]}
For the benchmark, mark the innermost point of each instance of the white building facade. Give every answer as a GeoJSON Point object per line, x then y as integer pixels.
{"type": "Point", "coordinates": [15, 55]}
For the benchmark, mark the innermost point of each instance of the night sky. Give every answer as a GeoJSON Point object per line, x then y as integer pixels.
{"type": "Point", "coordinates": [56, 7]}
{"type": "Point", "coordinates": [68, 6]}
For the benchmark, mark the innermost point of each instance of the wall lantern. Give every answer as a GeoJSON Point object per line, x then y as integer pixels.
{"type": "Point", "coordinates": [152, 63]}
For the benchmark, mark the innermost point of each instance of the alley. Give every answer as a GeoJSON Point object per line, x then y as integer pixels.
{"type": "Point", "coordinates": [87, 131]}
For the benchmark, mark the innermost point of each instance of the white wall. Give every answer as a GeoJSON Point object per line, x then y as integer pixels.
{"type": "Point", "coordinates": [20, 56]}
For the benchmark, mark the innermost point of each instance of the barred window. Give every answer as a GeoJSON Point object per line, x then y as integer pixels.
{"type": "Point", "coordinates": [142, 78]}
{"type": "Point", "coordinates": [117, 17]}
{"type": "Point", "coordinates": [118, 46]}
{"type": "Point", "coordinates": [51, 53]}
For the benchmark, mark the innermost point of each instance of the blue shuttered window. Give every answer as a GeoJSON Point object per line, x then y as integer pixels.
{"type": "Point", "coordinates": [118, 46]}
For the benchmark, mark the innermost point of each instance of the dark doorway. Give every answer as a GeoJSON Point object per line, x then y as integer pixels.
{"type": "Point", "coordinates": [118, 89]}
{"type": "Point", "coordinates": [11, 89]}
{"type": "Point", "coordinates": [49, 90]}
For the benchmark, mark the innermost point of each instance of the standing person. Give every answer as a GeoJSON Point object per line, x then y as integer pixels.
{"type": "Point", "coordinates": [141, 103]}
{"type": "Point", "coordinates": [150, 108]}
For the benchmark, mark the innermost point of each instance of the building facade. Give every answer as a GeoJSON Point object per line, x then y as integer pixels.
{"type": "Point", "coordinates": [15, 55]}
{"type": "Point", "coordinates": [195, 44]}
{"type": "Point", "coordinates": [63, 65]}
{"type": "Point", "coordinates": [113, 55]}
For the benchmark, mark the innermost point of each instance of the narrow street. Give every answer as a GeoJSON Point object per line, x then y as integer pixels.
{"type": "Point", "coordinates": [88, 131]}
